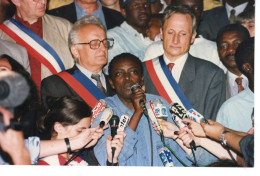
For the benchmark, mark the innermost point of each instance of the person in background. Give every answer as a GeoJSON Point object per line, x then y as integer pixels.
{"type": "Point", "coordinates": [80, 8]}
{"type": "Point", "coordinates": [130, 36]}
{"type": "Point", "coordinates": [45, 38]}
{"type": "Point", "coordinates": [156, 6]}
{"type": "Point", "coordinates": [216, 18]}
{"type": "Point", "coordinates": [154, 25]}
{"type": "Point", "coordinates": [112, 4]}
{"type": "Point", "coordinates": [67, 117]}
{"type": "Point", "coordinates": [228, 39]}
{"type": "Point", "coordinates": [247, 19]}
{"type": "Point", "coordinates": [236, 112]}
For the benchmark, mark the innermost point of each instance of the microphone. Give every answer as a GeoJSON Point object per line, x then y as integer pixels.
{"type": "Point", "coordinates": [114, 121]}
{"type": "Point", "coordinates": [153, 115]}
{"type": "Point", "coordinates": [137, 86]}
{"type": "Point", "coordinates": [161, 111]}
{"type": "Point", "coordinates": [195, 116]}
{"type": "Point", "coordinates": [98, 108]}
{"type": "Point", "coordinates": [14, 89]}
{"type": "Point", "coordinates": [179, 113]}
{"type": "Point", "coordinates": [165, 156]}
{"type": "Point", "coordinates": [124, 120]}
{"type": "Point", "coordinates": [105, 117]}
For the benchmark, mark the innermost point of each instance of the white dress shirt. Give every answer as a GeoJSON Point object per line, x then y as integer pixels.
{"type": "Point", "coordinates": [89, 73]}
{"type": "Point", "coordinates": [233, 87]}
{"type": "Point", "coordinates": [239, 9]}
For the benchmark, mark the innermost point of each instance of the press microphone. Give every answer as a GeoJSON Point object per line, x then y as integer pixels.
{"type": "Point", "coordinates": [165, 156]}
{"type": "Point", "coordinates": [113, 122]}
{"type": "Point", "coordinates": [137, 86]}
{"type": "Point", "coordinates": [161, 110]}
{"type": "Point", "coordinates": [179, 113]}
{"type": "Point", "coordinates": [195, 116]}
{"type": "Point", "coordinates": [124, 120]}
{"type": "Point", "coordinates": [105, 117]}
{"type": "Point", "coordinates": [14, 89]}
{"type": "Point", "coordinates": [98, 108]}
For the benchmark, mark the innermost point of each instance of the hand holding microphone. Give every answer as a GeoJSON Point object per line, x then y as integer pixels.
{"type": "Point", "coordinates": [114, 121]}
{"type": "Point", "coordinates": [138, 97]}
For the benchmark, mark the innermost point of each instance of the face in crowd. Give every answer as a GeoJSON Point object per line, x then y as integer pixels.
{"type": "Point", "coordinates": [177, 35]}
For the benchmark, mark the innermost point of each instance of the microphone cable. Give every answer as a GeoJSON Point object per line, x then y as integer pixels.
{"type": "Point", "coordinates": [77, 153]}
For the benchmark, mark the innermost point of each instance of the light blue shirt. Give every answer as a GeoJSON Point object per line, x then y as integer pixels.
{"type": "Point", "coordinates": [33, 146]}
{"type": "Point", "coordinates": [81, 12]}
{"type": "Point", "coordinates": [137, 145]}
{"type": "Point", "coordinates": [235, 113]}
{"type": "Point", "coordinates": [127, 40]}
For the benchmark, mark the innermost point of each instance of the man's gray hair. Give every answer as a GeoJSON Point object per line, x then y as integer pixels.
{"type": "Point", "coordinates": [89, 19]}
{"type": "Point", "coordinates": [182, 9]}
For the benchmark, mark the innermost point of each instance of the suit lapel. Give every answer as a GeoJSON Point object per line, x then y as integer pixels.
{"type": "Point", "coordinates": [187, 75]}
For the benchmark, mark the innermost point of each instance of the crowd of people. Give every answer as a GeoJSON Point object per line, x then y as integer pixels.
{"type": "Point", "coordinates": [188, 62]}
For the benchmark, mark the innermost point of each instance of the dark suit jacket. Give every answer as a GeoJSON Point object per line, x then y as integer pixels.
{"type": "Point", "coordinates": [57, 87]}
{"type": "Point", "coordinates": [213, 20]}
{"type": "Point", "coordinates": [113, 18]}
{"type": "Point", "coordinates": [204, 85]}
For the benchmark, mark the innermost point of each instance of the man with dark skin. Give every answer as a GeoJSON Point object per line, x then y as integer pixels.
{"type": "Point", "coordinates": [131, 35]}
{"type": "Point", "coordinates": [228, 39]}
{"type": "Point", "coordinates": [124, 71]}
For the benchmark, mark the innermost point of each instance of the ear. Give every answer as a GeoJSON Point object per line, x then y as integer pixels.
{"type": "Point", "coordinates": [59, 128]}
{"type": "Point", "coordinates": [247, 68]}
{"type": "Point", "coordinates": [16, 2]}
{"type": "Point", "coordinates": [161, 34]}
{"type": "Point", "coordinates": [74, 50]}
{"type": "Point", "coordinates": [193, 37]}
{"type": "Point", "coordinates": [123, 12]}
{"type": "Point", "coordinates": [111, 83]}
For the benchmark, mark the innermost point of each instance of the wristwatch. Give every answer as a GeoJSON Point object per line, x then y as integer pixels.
{"type": "Point", "coordinates": [222, 138]}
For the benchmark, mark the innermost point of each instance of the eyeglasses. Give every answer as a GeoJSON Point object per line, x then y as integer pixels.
{"type": "Point", "coordinates": [95, 44]}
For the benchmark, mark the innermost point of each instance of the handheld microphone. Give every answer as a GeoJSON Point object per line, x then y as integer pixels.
{"type": "Point", "coordinates": [179, 113]}
{"type": "Point", "coordinates": [165, 156]}
{"type": "Point", "coordinates": [124, 120]}
{"type": "Point", "coordinates": [113, 122]}
{"type": "Point", "coordinates": [105, 117]}
{"type": "Point", "coordinates": [152, 114]}
{"type": "Point", "coordinates": [160, 110]}
{"type": "Point", "coordinates": [195, 116]}
{"type": "Point", "coordinates": [137, 86]}
{"type": "Point", "coordinates": [99, 107]}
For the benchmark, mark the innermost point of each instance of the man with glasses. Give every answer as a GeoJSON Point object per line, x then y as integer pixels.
{"type": "Point", "coordinates": [89, 45]}
{"type": "Point", "coordinates": [45, 38]}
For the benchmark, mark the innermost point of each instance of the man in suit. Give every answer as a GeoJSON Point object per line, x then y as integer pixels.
{"type": "Point", "coordinates": [192, 82]}
{"type": "Point", "coordinates": [79, 8]}
{"type": "Point", "coordinates": [89, 46]}
{"type": "Point", "coordinates": [45, 38]}
{"type": "Point", "coordinates": [218, 17]}
{"type": "Point", "coordinates": [228, 39]}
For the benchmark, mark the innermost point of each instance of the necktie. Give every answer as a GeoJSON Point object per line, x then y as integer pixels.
{"type": "Point", "coordinates": [232, 18]}
{"type": "Point", "coordinates": [170, 65]}
{"type": "Point", "coordinates": [239, 84]}
{"type": "Point", "coordinates": [99, 84]}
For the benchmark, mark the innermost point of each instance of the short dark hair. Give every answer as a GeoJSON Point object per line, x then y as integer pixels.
{"type": "Point", "coordinates": [67, 110]}
{"type": "Point", "coordinates": [232, 27]}
{"type": "Point", "coordinates": [182, 9]}
{"type": "Point", "coordinates": [121, 57]}
{"type": "Point", "coordinates": [245, 52]}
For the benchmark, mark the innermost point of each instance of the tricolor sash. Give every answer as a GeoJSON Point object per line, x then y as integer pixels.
{"type": "Point", "coordinates": [34, 44]}
{"type": "Point", "coordinates": [83, 86]}
{"type": "Point", "coordinates": [165, 83]}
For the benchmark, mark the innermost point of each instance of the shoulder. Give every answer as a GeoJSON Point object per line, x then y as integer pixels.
{"type": "Point", "coordinates": [215, 10]}
{"type": "Point", "coordinates": [50, 19]}
{"type": "Point", "coordinates": [204, 64]}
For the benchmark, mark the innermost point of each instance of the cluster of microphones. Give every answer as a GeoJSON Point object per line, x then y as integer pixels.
{"type": "Point", "coordinates": [156, 111]}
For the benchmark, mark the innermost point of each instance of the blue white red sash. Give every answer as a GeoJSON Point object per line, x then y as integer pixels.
{"type": "Point", "coordinates": [83, 86]}
{"type": "Point", "coordinates": [34, 44]}
{"type": "Point", "coordinates": [165, 84]}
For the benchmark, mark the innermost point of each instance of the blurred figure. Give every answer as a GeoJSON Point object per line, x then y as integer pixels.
{"type": "Point", "coordinates": [247, 19]}
{"type": "Point", "coordinates": [218, 17]}
{"type": "Point", "coordinates": [236, 112]}
{"type": "Point", "coordinates": [80, 8]}
{"type": "Point", "coordinates": [12, 142]}
{"type": "Point", "coordinates": [154, 25]}
{"type": "Point", "coordinates": [156, 6]}
{"type": "Point", "coordinates": [112, 4]}
{"type": "Point", "coordinates": [67, 117]}
{"type": "Point", "coordinates": [228, 39]}
{"type": "Point", "coordinates": [210, 4]}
